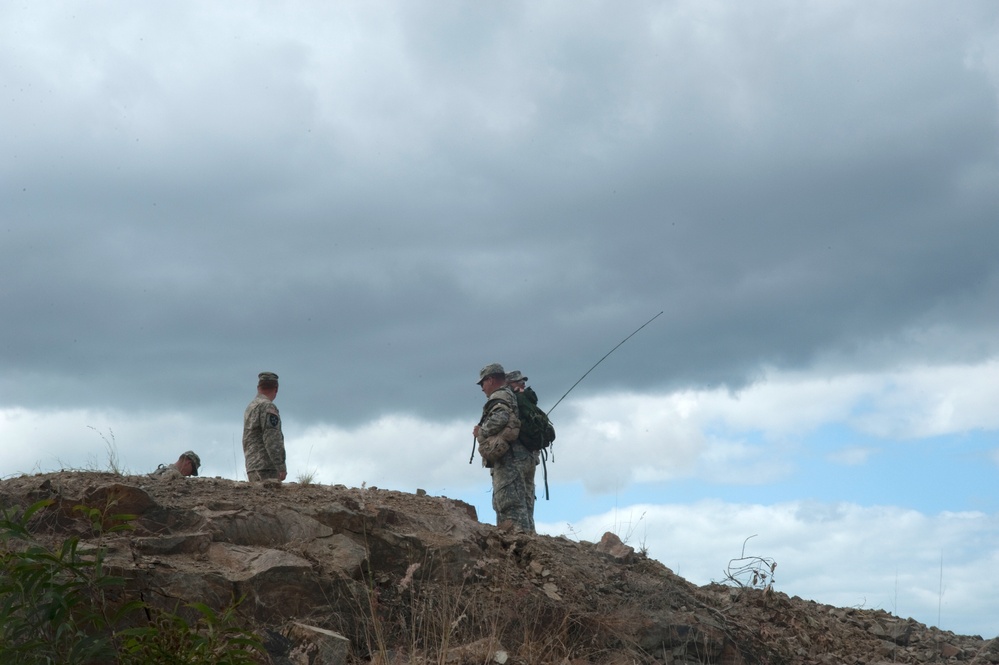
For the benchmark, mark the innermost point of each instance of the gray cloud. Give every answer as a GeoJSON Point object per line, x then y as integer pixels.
{"type": "Point", "coordinates": [375, 204]}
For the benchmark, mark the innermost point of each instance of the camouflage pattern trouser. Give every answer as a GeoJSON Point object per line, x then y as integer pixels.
{"type": "Point", "coordinates": [257, 476]}
{"type": "Point", "coordinates": [513, 490]}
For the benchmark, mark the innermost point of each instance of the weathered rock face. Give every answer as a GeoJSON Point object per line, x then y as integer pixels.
{"type": "Point", "coordinates": [339, 575]}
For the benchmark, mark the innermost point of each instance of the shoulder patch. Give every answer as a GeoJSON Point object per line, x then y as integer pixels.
{"type": "Point", "coordinates": [273, 420]}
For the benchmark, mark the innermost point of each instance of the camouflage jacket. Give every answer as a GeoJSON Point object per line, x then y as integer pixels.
{"type": "Point", "coordinates": [263, 441]}
{"type": "Point", "coordinates": [166, 472]}
{"type": "Point", "coordinates": [499, 413]}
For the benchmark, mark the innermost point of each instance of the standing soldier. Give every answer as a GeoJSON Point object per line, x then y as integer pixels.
{"type": "Point", "coordinates": [506, 459]}
{"type": "Point", "coordinates": [518, 384]}
{"type": "Point", "coordinates": [263, 441]}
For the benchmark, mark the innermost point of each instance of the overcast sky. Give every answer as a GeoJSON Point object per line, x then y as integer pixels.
{"type": "Point", "coordinates": [375, 199]}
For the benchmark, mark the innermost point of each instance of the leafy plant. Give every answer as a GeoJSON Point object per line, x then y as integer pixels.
{"type": "Point", "coordinates": [60, 605]}
{"type": "Point", "coordinates": [50, 600]}
{"type": "Point", "coordinates": [169, 639]}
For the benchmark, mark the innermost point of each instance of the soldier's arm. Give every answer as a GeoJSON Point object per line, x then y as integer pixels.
{"type": "Point", "coordinates": [274, 439]}
{"type": "Point", "coordinates": [496, 420]}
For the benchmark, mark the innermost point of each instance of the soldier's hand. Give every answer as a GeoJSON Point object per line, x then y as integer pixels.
{"type": "Point", "coordinates": [475, 431]}
{"type": "Point", "coordinates": [282, 475]}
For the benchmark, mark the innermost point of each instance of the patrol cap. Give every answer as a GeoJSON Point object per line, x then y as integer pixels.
{"type": "Point", "coordinates": [489, 370]}
{"type": "Point", "coordinates": [267, 376]}
{"type": "Point", "coordinates": [195, 460]}
{"type": "Point", "coordinates": [515, 375]}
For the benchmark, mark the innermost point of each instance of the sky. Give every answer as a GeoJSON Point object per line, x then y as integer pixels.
{"type": "Point", "coordinates": [376, 199]}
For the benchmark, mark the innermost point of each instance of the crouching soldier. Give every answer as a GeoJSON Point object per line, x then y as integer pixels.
{"type": "Point", "coordinates": [186, 465]}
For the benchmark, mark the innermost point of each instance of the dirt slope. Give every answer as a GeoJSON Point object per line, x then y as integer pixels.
{"type": "Point", "coordinates": [412, 578]}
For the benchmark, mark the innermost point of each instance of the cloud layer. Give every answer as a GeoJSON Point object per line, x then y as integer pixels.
{"type": "Point", "coordinates": [374, 201]}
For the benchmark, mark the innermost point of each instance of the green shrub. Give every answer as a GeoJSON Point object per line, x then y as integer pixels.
{"type": "Point", "coordinates": [170, 640]}
{"type": "Point", "coordinates": [60, 606]}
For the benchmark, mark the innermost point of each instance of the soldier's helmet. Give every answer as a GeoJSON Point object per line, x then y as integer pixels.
{"type": "Point", "coordinates": [195, 460]}
{"type": "Point", "coordinates": [490, 370]}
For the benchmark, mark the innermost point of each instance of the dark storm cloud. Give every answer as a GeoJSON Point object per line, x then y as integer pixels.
{"type": "Point", "coordinates": [377, 215]}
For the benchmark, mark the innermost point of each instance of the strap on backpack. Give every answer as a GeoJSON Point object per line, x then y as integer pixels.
{"type": "Point", "coordinates": [544, 469]}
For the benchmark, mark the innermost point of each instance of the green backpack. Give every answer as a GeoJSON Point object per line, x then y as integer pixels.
{"type": "Point", "coordinates": [536, 431]}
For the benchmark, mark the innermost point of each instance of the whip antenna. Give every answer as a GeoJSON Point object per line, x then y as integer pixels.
{"type": "Point", "coordinates": [602, 359]}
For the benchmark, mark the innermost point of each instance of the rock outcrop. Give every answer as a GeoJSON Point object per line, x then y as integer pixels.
{"type": "Point", "coordinates": [343, 575]}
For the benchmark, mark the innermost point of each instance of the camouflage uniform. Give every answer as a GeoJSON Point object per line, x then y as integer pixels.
{"type": "Point", "coordinates": [166, 472]}
{"type": "Point", "coordinates": [512, 469]}
{"type": "Point", "coordinates": [172, 471]}
{"type": "Point", "coordinates": [263, 441]}
{"type": "Point", "coordinates": [528, 469]}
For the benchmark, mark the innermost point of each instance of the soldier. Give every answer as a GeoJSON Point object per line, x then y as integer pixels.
{"type": "Point", "coordinates": [186, 465]}
{"type": "Point", "coordinates": [518, 384]}
{"type": "Point", "coordinates": [263, 442]}
{"type": "Point", "coordinates": [507, 460]}
{"type": "Point", "coordinates": [516, 381]}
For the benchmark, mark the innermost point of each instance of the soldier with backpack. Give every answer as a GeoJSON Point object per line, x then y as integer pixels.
{"type": "Point", "coordinates": [509, 462]}
{"type": "Point", "coordinates": [536, 430]}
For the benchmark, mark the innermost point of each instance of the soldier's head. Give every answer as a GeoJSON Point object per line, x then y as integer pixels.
{"type": "Point", "coordinates": [267, 384]}
{"type": "Point", "coordinates": [516, 381]}
{"type": "Point", "coordinates": [492, 377]}
{"type": "Point", "coordinates": [189, 463]}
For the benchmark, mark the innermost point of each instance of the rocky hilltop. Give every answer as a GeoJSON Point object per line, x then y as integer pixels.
{"type": "Point", "coordinates": [337, 575]}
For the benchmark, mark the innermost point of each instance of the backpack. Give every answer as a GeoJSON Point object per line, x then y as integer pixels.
{"type": "Point", "coordinates": [536, 431]}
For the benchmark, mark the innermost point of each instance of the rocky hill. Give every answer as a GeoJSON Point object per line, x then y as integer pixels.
{"type": "Point", "coordinates": [362, 576]}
